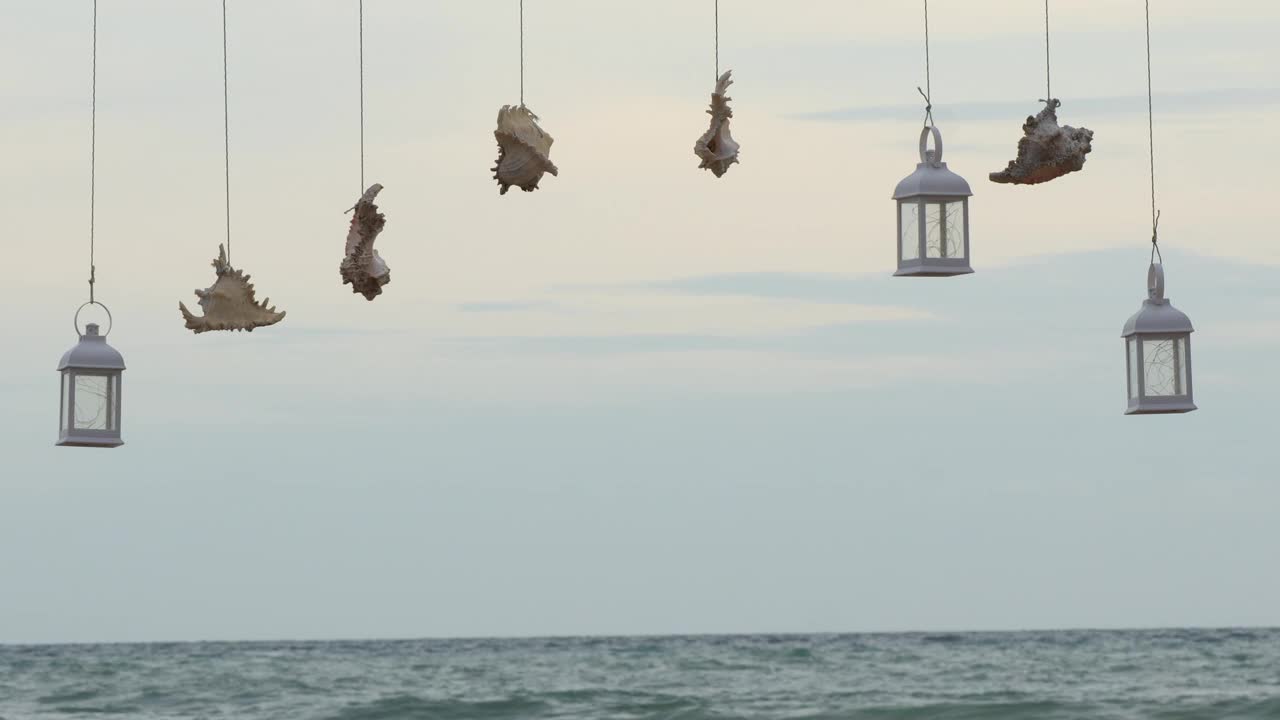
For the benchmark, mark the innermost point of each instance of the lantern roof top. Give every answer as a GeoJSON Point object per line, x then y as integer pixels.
{"type": "Point", "coordinates": [1157, 316]}
{"type": "Point", "coordinates": [931, 176]}
{"type": "Point", "coordinates": [92, 353]}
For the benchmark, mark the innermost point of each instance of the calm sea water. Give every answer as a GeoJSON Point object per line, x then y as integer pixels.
{"type": "Point", "coordinates": [1168, 674]}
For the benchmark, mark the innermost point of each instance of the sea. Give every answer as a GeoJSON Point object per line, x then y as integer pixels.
{"type": "Point", "coordinates": [1167, 674]}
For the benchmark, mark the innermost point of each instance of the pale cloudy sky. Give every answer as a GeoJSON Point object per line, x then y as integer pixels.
{"type": "Point", "coordinates": [641, 399]}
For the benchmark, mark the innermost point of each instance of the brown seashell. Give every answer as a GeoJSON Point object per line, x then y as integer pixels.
{"type": "Point", "coordinates": [717, 147]}
{"type": "Point", "coordinates": [524, 150]}
{"type": "Point", "coordinates": [1046, 150]}
{"type": "Point", "coordinates": [228, 304]}
{"type": "Point", "coordinates": [362, 267]}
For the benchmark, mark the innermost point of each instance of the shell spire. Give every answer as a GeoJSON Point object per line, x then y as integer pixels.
{"type": "Point", "coordinates": [524, 150]}
{"type": "Point", "coordinates": [229, 303]}
{"type": "Point", "coordinates": [716, 147]}
{"type": "Point", "coordinates": [362, 267]}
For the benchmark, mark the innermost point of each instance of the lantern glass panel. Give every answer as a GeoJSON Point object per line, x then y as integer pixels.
{"type": "Point", "coordinates": [113, 414]}
{"type": "Point", "coordinates": [944, 229]}
{"type": "Point", "coordinates": [92, 406]}
{"type": "Point", "coordinates": [1133, 368]}
{"type": "Point", "coordinates": [910, 224]}
{"type": "Point", "coordinates": [953, 228]}
{"type": "Point", "coordinates": [933, 244]}
{"type": "Point", "coordinates": [1182, 363]}
{"type": "Point", "coordinates": [1164, 372]}
{"type": "Point", "coordinates": [66, 401]}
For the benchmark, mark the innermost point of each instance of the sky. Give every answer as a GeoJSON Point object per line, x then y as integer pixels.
{"type": "Point", "coordinates": [641, 399]}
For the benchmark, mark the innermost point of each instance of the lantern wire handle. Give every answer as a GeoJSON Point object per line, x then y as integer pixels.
{"type": "Point", "coordinates": [361, 31]}
{"type": "Point", "coordinates": [226, 130]}
{"type": "Point", "coordinates": [927, 93]}
{"type": "Point", "coordinates": [1151, 145]}
{"type": "Point", "coordinates": [93, 151]}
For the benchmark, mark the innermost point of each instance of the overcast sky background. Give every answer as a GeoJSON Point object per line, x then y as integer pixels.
{"type": "Point", "coordinates": [641, 399]}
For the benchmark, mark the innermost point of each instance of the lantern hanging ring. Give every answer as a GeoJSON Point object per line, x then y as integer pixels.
{"type": "Point", "coordinates": [76, 320]}
{"type": "Point", "coordinates": [1155, 282]}
{"type": "Point", "coordinates": [936, 161]}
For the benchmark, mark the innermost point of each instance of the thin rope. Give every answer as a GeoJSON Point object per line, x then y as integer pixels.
{"type": "Point", "coordinates": [521, 53]}
{"type": "Point", "coordinates": [1151, 144]}
{"type": "Point", "coordinates": [928, 79]}
{"type": "Point", "coordinates": [361, 97]}
{"type": "Point", "coordinates": [717, 78]}
{"type": "Point", "coordinates": [226, 130]}
{"type": "Point", "coordinates": [1048, 85]}
{"type": "Point", "coordinates": [93, 149]}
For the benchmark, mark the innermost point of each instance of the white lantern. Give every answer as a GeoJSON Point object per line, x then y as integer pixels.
{"type": "Point", "coordinates": [1157, 342]}
{"type": "Point", "coordinates": [933, 216]}
{"type": "Point", "coordinates": [90, 407]}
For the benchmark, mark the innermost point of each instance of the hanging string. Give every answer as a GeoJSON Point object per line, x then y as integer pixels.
{"type": "Point", "coordinates": [717, 78]}
{"type": "Point", "coordinates": [361, 96]}
{"type": "Point", "coordinates": [928, 80]}
{"type": "Point", "coordinates": [1151, 144]}
{"type": "Point", "coordinates": [1048, 85]}
{"type": "Point", "coordinates": [93, 149]}
{"type": "Point", "coordinates": [521, 53]}
{"type": "Point", "coordinates": [226, 130]}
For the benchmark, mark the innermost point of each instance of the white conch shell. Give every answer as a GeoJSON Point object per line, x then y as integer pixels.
{"type": "Point", "coordinates": [1046, 150]}
{"type": "Point", "coordinates": [524, 149]}
{"type": "Point", "coordinates": [716, 147]}
{"type": "Point", "coordinates": [228, 304]}
{"type": "Point", "coordinates": [362, 266]}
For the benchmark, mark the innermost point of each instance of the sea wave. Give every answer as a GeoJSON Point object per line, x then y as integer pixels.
{"type": "Point", "coordinates": [1148, 675]}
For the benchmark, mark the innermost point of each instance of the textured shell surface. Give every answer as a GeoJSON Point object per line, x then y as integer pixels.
{"type": "Point", "coordinates": [229, 303]}
{"type": "Point", "coordinates": [717, 148]}
{"type": "Point", "coordinates": [524, 150]}
{"type": "Point", "coordinates": [1046, 150]}
{"type": "Point", "coordinates": [362, 267]}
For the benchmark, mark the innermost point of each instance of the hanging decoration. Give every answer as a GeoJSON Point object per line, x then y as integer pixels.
{"type": "Point", "coordinates": [362, 267]}
{"type": "Point", "coordinates": [933, 203]}
{"type": "Point", "coordinates": [1157, 338]}
{"type": "Point", "coordinates": [229, 303]}
{"type": "Point", "coordinates": [1047, 150]}
{"type": "Point", "coordinates": [89, 406]}
{"type": "Point", "coordinates": [524, 148]}
{"type": "Point", "coordinates": [717, 148]}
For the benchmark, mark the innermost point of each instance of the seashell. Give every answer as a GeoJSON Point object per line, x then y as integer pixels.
{"type": "Point", "coordinates": [228, 304]}
{"type": "Point", "coordinates": [716, 147]}
{"type": "Point", "coordinates": [524, 150]}
{"type": "Point", "coordinates": [362, 267]}
{"type": "Point", "coordinates": [1046, 150]}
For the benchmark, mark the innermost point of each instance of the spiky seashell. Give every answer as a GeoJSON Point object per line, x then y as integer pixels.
{"type": "Point", "coordinates": [1046, 150]}
{"type": "Point", "coordinates": [716, 147]}
{"type": "Point", "coordinates": [362, 266]}
{"type": "Point", "coordinates": [228, 304]}
{"type": "Point", "coordinates": [524, 150]}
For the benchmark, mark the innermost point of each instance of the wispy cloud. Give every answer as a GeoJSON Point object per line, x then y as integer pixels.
{"type": "Point", "coordinates": [1069, 302]}
{"type": "Point", "coordinates": [1202, 101]}
{"type": "Point", "coordinates": [505, 306]}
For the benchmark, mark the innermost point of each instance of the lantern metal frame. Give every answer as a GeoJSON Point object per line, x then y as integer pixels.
{"type": "Point", "coordinates": [91, 357]}
{"type": "Point", "coordinates": [932, 184]}
{"type": "Point", "coordinates": [1158, 321]}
